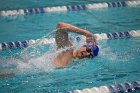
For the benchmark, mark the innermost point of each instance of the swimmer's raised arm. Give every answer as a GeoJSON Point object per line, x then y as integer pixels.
{"type": "Point", "coordinates": [70, 28]}
{"type": "Point", "coordinates": [62, 39]}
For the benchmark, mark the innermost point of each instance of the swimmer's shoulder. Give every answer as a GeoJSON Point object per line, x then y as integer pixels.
{"type": "Point", "coordinates": [64, 58]}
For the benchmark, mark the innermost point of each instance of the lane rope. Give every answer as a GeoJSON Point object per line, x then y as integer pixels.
{"type": "Point", "coordinates": [70, 8]}
{"type": "Point", "coordinates": [117, 88]}
{"type": "Point", "coordinates": [26, 43]}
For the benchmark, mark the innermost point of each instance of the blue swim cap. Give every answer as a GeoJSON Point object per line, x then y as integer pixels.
{"type": "Point", "coordinates": [95, 50]}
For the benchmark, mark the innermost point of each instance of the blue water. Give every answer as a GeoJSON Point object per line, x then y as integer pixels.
{"type": "Point", "coordinates": [30, 70]}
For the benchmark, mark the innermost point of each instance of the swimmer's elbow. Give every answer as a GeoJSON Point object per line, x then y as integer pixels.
{"type": "Point", "coordinates": [60, 25]}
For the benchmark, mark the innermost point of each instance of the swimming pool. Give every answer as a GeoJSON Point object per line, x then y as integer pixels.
{"type": "Point", "coordinates": [30, 69]}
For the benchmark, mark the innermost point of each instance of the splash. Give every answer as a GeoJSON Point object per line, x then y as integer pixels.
{"type": "Point", "coordinates": [37, 58]}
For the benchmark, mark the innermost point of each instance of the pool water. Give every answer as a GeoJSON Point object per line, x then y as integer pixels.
{"type": "Point", "coordinates": [30, 70]}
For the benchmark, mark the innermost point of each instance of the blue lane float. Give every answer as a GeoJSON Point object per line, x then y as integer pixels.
{"type": "Point", "coordinates": [16, 44]}
{"type": "Point", "coordinates": [117, 88]}
{"type": "Point", "coordinates": [76, 7]}
{"type": "Point", "coordinates": [26, 43]}
{"type": "Point", "coordinates": [69, 8]}
{"type": "Point", "coordinates": [119, 35]}
{"type": "Point", "coordinates": [117, 4]}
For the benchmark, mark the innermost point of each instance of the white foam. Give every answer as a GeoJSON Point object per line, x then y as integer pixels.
{"type": "Point", "coordinates": [31, 42]}
{"type": "Point", "coordinates": [35, 59]}
{"type": "Point", "coordinates": [103, 36]}
{"type": "Point", "coordinates": [36, 64]}
{"type": "Point", "coordinates": [51, 40]}
{"type": "Point", "coordinates": [42, 41]}
{"type": "Point", "coordinates": [98, 36]}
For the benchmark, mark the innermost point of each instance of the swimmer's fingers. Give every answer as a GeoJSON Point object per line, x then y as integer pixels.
{"type": "Point", "coordinates": [91, 38]}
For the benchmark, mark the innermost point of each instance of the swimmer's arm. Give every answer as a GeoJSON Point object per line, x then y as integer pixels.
{"type": "Point", "coordinates": [65, 28]}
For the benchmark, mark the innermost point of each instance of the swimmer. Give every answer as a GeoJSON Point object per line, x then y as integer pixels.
{"type": "Point", "coordinates": [62, 40]}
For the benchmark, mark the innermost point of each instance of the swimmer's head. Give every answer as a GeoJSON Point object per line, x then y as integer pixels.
{"type": "Point", "coordinates": [87, 51]}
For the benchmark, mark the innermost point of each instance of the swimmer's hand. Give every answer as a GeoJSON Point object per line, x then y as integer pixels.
{"type": "Point", "coordinates": [91, 39]}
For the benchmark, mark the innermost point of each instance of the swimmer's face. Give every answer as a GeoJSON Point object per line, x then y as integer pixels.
{"type": "Point", "coordinates": [83, 52]}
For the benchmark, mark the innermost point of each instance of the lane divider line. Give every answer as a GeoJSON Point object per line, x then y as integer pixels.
{"type": "Point", "coordinates": [70, 8]}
